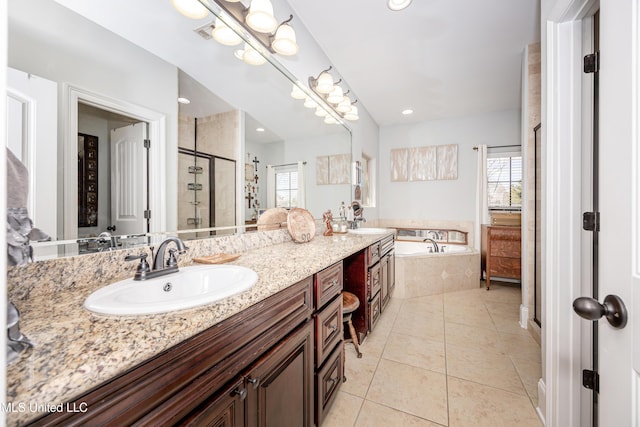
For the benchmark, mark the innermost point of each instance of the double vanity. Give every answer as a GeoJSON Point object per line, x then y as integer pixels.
{"type": "Point", "coordinates": [271, 355]}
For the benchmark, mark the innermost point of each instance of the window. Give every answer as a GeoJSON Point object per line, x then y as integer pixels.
{"type": "Point", "coordinates": [286, 188]}
{"type": "Point", "coordinates": [504, 178]}
{"type": "Point", "coordinates": [368, 181]}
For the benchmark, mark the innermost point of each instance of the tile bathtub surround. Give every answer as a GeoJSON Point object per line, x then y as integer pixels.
{"type": "Point", "coordinates": [76, 350]}
{"type": "Point", "coordinates": [443, 360]}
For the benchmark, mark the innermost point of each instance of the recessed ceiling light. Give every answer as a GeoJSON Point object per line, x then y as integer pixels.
{"type": "Point", "coordinates": [182, 100]}
{"type": "Point", "coordinates": [259, 129]}
{"type": "Point", "coordinates": [398, 4]}
{"type": "Point", "coordinates": [407, 111]}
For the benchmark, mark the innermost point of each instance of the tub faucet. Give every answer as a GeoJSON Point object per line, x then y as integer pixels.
{"type": "Point", "coordinates": [144, 272]}
{"type": "Point", "coordinates": [433, 242]}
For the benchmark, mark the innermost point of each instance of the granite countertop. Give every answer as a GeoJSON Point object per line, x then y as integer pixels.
{"type": "Point", "coordinates": [76, 350]}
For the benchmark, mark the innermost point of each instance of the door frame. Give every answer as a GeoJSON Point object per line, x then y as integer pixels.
{"type": "Point", "coordinates": [157, 180]}
{"type": "Point", "coordinates": [560, 389]}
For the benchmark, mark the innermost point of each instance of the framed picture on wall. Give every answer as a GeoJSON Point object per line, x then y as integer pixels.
{"type": "Point", "coordinates": [248, 172]}
{"type": "Point", "coordinates": [87, 180]}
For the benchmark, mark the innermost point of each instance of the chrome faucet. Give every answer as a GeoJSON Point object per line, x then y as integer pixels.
{"type": "Point", "coordinates": [433, 242]}
{"type": "Point", "coordinates": [144, 272]}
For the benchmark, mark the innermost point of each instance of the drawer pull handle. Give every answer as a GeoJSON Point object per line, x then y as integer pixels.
{"type": "Point", "coordinates": [241, 392]}
{"type": "Point", "coordinates": [334, 282]}
{"type": "Point", "coordinates": [255, 382]}
{"type": "Point", "coordinates": [333, 328]}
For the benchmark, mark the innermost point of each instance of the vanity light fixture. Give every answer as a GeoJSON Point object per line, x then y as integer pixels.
{"type": "Point", "coordinates": [398, 4]}
{"type": "Point", "coordinates": [340, 104]}
{"type": "Point", "coordinates": [321, 112]}
{"type": "Point", "coordinates": [310, 103]}
{"type": "Point", "coordinates": [256, 23]}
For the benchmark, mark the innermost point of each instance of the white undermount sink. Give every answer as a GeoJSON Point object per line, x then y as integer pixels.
{"type": "Point", "coordinates": [371, 230]}
{"type": "Point", "coordinates": [189, 287]}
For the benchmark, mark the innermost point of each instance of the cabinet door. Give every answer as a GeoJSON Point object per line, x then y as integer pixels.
{"type": "Point", "coordinates": [328, 325]}
{"type": "Point", "coordinates": [373, 281]}
{"type": "Point", "coordinates": [384, 280]}
{"type": "Point", "coordinates": [392, 273]}
{"type": "Point", "coordinates": [280, 383]}
{"type": "Point", "coordinates": [225, 409]}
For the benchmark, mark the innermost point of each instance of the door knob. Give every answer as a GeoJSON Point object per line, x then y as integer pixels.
{"type": "Point", "coordinates": [613, 309]}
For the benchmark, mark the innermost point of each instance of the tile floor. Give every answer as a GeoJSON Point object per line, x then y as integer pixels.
{"type": "Point", "coordinates": [458, 359]}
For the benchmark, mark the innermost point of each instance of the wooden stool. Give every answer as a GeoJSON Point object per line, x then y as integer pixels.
{"type": "Point", "coordinates": [350, 303]}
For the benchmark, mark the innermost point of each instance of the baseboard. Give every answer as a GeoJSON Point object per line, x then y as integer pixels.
{"type": "Point", "coordinates": [524, 316]}
{"type": "Point", "coordinates": [541, 409]}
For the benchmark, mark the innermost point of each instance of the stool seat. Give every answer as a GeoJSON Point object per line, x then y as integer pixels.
{"type": "Point", "coordinates": [350, 302]}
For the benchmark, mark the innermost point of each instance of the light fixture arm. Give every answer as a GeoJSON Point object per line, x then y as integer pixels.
{"type": "Point", "coordinates": [287, 20]}
{"type": "Point", "coordinates": [323, 71]}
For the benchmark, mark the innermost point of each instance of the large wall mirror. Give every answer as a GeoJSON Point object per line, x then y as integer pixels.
{"type": "Point", "coordinates": [93, 109]}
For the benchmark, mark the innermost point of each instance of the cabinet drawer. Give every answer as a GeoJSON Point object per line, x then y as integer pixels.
{"type": "Point", "coordinates": [504, 233]}
{"type": "Point", "coordinates": [327, 284]}
{"type": "Point", "coordinates": [386, 245]}
{"type": "Point", "coordinates": [505, 248]}
{"type": "Point", "coordinates": [373, 281]}
{"type": "Point", "coordinates": [374, 311]}
{"type": "Point", "coordinates": [328, 380]}
{"type": "Point", "coordinates": [373, 254]}
{"type": "Point", "coordinates": [328, 325]}
{"type": "Point", "coordinates": [505, 267]}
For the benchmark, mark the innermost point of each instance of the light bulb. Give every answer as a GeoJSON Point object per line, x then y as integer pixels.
{"type": "Point", "coordinates": [344, 106]}
{"type": "Point", "coordinates": [260, 16]}
{"type": "Point", "coordinates": [310, 103]}
{"type": "Point", "coordinates": [190, 8]}
{"type": "Point", "coordinates": [330, 120]}
{"type": "Point", "coordinates": [225, 35]}
{"type": "Point", "coordinates": [398, 4]}
{"type": "Point", "coordinates": [336, 96]}
{"type": "Point", "coordinates": [321, 112]}
{"type": "Point", "coordinates": [252, 56]}
{"type": "Point", "coordinates": [352, 114]}
{"type": "Point", "coordinates": [297, 93]}
{"type": "Point", "coordinates": [324, 84]}
{"type": "Point", "coordinates": [284, 42]}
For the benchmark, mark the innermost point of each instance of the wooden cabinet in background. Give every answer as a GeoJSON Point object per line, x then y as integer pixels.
{"type": "Point", "coordinates": [501, 252]}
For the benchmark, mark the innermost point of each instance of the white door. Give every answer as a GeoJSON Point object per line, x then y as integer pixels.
{"type": "Point", "coordinates": [619, 349]}
{"type": "Point", "coordinates": [32, 136]}
{"type": "Point", "coordinates": [129, 179]}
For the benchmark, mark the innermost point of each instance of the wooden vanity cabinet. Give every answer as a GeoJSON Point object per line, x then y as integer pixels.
{"type": "Point", "coordinates": [368, 274]}
{"type": "Point", "coordinates": [501, 252]}
{"type": "Point", "coordinates": [203, 377]}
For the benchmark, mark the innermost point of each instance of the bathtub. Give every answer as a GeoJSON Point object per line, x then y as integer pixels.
{"type": "Point", "coordinates": [421, 273]}
{"type": "Point", "coordinates": [407, 248]}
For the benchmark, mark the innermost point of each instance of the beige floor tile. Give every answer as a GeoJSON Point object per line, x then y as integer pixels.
{"type": "Point", "coordinates": [344, 411]}
{"type": "Point", "coordinates": [522, 346]}
{"type": "Point", "coordinates": [530, 372]}
{"type": "Point", "coordinates": [509, 293]}
{"type": "Point", "coordinates": [394, 305]}
{"type": "Point", "coordinates": [415, 351]}
{"type": "Point", "coordinates": [484, 367]}
{"type": "Point", "coordinates": [477, 405]}
{"type": "Point", "coordinates": [504, 309]}
{"type": "Point", "coordinates": [474, 337]}
{"type": "Point", "coordinates": [418, 392]}
{"type": "Point", "coordinates": [508, 324]}
{"type": "Point", "coordinates": [374, 343]}
{"type": "Point", "coordinates": [434, 300]}
{"type": "Point", "coordinates": [426, 325]}
{"type": "Point", "coordinates": [359, 372]}
{"type": "Point", "coordinates": [374, 415]}
{"type": "Point", "coordinates": [469, 315]}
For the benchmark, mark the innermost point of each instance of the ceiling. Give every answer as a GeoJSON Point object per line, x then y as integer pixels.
{"type": "Point", "coordinates": [441, 58]}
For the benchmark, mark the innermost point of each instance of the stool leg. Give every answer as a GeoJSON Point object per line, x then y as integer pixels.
{"type": "Point", "coordinates": [354, 338]}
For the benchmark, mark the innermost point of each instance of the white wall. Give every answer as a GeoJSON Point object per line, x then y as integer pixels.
{"type": "Point", "coordinates": [441, 200]}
